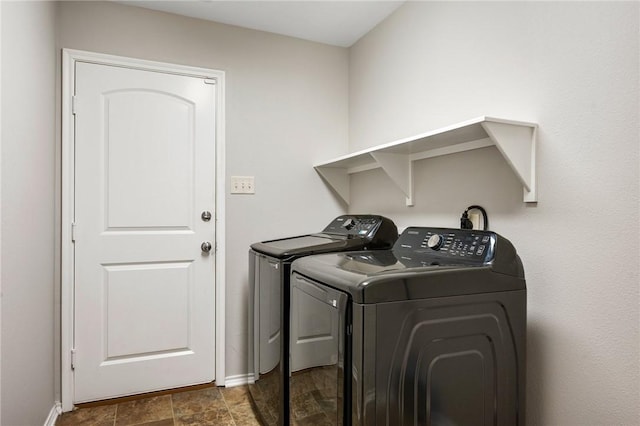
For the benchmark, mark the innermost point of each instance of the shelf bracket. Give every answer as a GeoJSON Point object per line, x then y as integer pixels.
{"type": "Point", "coordinates": [338, 180]}
{"type": "Point", "coordinates": [399, 168]}
{"type": "Point", "coordinates": [517, 144]}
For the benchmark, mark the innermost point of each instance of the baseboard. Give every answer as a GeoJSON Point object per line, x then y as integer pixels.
{"type": "Point", "coordinates": [239, 380]}
{"type": "Point", "coordinates": [56, 410]}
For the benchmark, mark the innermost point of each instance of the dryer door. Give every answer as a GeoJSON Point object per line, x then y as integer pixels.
{"type": "Point", "coordinates": [320, 320]}
{"type": "Point", "coordinates": [269, 288]}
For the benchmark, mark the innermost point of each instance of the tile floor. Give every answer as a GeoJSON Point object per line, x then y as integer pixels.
{"type": "Point", "coordinates": [206, 406]}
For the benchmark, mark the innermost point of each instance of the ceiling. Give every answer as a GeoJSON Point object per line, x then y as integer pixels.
{"type": "Point", "coordinates": [339, 22]}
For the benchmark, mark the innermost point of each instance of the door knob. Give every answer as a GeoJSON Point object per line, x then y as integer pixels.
{"type": "Point", "coordinates": [206, 247]}
{"type": "Point", "coordinates": [206, 216]}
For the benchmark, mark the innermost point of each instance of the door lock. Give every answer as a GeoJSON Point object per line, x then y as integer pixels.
{"type": "Point", "coordinates": [206, 216]}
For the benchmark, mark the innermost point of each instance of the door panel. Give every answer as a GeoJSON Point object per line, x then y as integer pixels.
{"type": "Point", "coordinates": [163, 195]}
{"type": "Point", "coordinates": [144, 289]}
{"type": "Point", "coordinates": [168, 286]}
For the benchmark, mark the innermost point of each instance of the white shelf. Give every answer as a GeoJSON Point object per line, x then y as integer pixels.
{"type": "Point", "coordinates": [516, 141]}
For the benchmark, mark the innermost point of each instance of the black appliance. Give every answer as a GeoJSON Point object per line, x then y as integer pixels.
{"type": "Point", "coordinates": [432, 332]}
{"type": "Point", "coordinates": [269, 273]}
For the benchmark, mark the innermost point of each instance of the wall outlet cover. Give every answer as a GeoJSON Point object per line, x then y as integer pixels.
{"type": "Point", "coordinates": [243, 185]}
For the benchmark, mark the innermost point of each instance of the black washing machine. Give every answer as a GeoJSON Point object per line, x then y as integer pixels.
{"type": "Point", "coordinates": [269, 273]}
{"type": "Point", "coordinates": [432, 332]}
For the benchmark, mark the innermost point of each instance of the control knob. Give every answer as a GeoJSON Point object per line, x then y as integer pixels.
{"type": "Point", "coordinates": [435, 242]}
{"type": "Point", "coordinates": [349, 224]}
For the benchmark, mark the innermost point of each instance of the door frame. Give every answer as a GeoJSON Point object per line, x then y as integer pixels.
{"type": "Point", "coordinates": [69, 59]}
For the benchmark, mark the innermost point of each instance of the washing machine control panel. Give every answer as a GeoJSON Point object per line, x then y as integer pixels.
{"type": "Point", "coordinates": [472, 245]}
{"type": "Point", "coordinates": [364, 226]}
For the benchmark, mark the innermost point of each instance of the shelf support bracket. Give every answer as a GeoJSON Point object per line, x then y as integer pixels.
{"type": "Point", "coordinates": [338, 180]}
{"type": "Point", "coordinates": [517, 144]}
{"type": "Point", "coordinates": [399, 168]}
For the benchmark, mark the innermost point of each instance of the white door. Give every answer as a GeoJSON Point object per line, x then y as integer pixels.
{"type": "Point", "coordinates": [144, 286]}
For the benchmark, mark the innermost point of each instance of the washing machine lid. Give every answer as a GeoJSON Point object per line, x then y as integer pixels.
{"type": "Point", "coordinates": [414, 270]}
{"type": "Point", "coordinates": [346, 232]}
{"type": "Point", "coordinates": [303, 245]}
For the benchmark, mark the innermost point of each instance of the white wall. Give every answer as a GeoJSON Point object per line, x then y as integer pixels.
{"type": "Point", "coordinates": [286, 108]}
{"type": "Point", "coordinates": [573, 68]}
{"type": "Point", "coordinates": [27, 244]}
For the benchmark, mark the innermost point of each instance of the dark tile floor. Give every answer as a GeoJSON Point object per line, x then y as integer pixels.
{"type": "Point", "coordinates": [205, 406]}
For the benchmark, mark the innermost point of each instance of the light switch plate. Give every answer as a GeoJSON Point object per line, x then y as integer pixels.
{"type": "Point", "coordinates": [243, 185]}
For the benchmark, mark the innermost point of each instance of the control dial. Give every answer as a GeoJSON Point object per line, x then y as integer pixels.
{"type": "Point", "coordinates": [435, 242]}
{"type": "Point", "coordinates": [348, 224]}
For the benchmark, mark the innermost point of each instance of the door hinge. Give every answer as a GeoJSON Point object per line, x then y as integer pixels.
{"type": "Point", "coordinates": [74, 104]}
{"type": "Point", "coordinates": [209, 81]}
{"type": "Point", "coordinates": [73, 359]}
{"type": "Point", "coordinates": [73, 232]}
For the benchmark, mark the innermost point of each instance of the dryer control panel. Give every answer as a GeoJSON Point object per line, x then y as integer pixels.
{"type": "Point", "coordinates": [471, 245]}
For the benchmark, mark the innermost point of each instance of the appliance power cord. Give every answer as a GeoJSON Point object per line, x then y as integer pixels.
{"type": "Point", "coordinates": [465, 222]}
